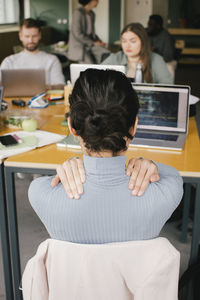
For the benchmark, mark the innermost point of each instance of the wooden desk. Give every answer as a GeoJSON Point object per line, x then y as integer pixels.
{"type": "Point", "coordinates": [189, 51]}
{"type": "Point", "coordinates": [45, 160]}
{"type": "Point", "coordinates": [186, 161]}
{"type": "Point", "coordinates": [184, 31]}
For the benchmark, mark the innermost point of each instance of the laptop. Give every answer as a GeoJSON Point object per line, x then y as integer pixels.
{"type": "Point", "coordinates": [22, 82]}
{"type": "Point", "coordinates": [163, 116]}
{"type": "Point", "coordinates": [75, 69]}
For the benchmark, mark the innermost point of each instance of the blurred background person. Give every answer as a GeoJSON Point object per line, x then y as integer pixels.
{"type": "Point", "coordinates": [84, 45]}
{"type": "Point", "coordinates": [32, 58]}
{"type": "Point", "coordinates": [136, 49]}
{"type": "Point", "coordinates": [162, 42]}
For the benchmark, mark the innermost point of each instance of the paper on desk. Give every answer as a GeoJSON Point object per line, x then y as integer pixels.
{"type": "Point", "coordinates": [193, 99]}
{"type": "Point", "coordinates": [43, 138]}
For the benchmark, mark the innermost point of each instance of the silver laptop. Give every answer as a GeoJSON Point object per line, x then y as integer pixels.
{"type": "Point", "coordinates": [23, 82]}
{"type": "Point", "coordinates": [163, 116]}
{"type": "Point", "coordinates": [75, 69]}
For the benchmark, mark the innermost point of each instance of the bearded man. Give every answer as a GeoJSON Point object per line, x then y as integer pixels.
{"type": "Point", "coordinates": [32, 58]}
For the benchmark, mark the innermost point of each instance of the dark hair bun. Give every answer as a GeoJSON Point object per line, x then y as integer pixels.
{"type": "Point", "coordinates": [103, 107]}
{"type": "Point", "coordinates": [94, 121]}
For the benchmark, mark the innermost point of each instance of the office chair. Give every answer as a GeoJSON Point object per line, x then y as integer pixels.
{"type": "Point", "coordinates": [138, 270]}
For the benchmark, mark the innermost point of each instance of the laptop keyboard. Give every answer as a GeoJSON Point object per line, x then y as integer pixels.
{"type": "Point", "coordinates": [156, 136]}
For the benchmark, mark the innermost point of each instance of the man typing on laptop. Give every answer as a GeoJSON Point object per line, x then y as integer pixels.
{"type": "Point", "coordinates": [32, 58]}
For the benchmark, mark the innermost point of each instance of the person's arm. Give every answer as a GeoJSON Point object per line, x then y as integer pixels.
{"type": "Point", "coordinates": [77, 29]}
{"type": "Point", "coordinates": [168, 49]}
{"type": "Point", "coordinates": [56, 76]}
{"type": "Point", "coordinates": [6, 63]}
{"type": "Point", "coordinates": [160, 71]}
{"type": "Point", "coordinates": [72, 175]}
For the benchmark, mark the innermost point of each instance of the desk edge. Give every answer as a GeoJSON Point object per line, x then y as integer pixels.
{"type": "Point", "coordinates": [30, 165]}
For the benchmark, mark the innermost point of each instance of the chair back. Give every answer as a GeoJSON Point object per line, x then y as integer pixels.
{"type": "Point", "coordinates": [136, 270]}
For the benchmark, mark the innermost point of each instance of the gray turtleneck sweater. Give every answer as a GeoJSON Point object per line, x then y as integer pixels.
{"type": "Point", "coordinates": [106, 212]}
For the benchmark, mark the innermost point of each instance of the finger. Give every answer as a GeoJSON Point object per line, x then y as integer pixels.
{"type": "Point", "coordinates": [63, 178]}
{"type": "Point", "coordinates": [145, 183]}
{"type": "Point", "coordinates": [140, 177]}
{"type": "Point", "coordinates": [154, 177]}
{"type": "Point", "coordinates": [130, 166]}
{"type": "Point", "coordinates": [81, 169]}
{"type": "Point", "coordinates": [151, 172]}
{"type": "Point", "coordinates": [76, 175]}
{"type": "Point", "coordinates": [70, 179]}
{"type": "Point", "coordinates": [55, 181]}
{"type": "Point", "coordinates": [135, 171]}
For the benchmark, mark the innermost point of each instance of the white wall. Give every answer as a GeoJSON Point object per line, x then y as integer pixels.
{"type": "Point", "coordinates": [160, 7]}
{"type": "Point", "coordinates": [138, 11]}
{"type": "Point", "coordinates": [102, 20]}
{"type": "Point", "coordinates": [27, 11]}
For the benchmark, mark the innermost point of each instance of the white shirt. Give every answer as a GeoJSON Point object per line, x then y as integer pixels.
{"type": "Point", "coordinates": [39, 60]}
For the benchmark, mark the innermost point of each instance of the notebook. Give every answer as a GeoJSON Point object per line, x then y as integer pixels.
{"type": "Point", "coordinates": [23, 82]}
{"type": "Point", "coordinates": [75, 69]}
{"type": "Point", "coordinates": [69, 141]}
{"type": "Point", "coordinates": [163, 116]}
{"type": "Point", "coordinates": [31, 140]}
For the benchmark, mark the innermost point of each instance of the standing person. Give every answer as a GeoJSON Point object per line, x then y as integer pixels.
{"type": "Point", "coordinates": [136, 49]}
{"type": "Point", "coordinates": [161, 41]}
{"type": "Point", "coordinates": [32, 58]}
{"type": "Point", "coordinates": [103, 115]}
{"type": "Point", "coordinates": [84, 45]}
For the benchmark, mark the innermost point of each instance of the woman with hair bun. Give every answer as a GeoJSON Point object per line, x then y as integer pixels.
{"type": "Point", "coordinates": [84, 45]}
{"type": "Point", "coordinates": [103, 115]}
{"type": "Point", "coordinates": [136, 49]}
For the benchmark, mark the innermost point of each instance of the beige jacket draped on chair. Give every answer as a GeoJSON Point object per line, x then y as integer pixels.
{"type": "Point", "coordinates": [139, 270]}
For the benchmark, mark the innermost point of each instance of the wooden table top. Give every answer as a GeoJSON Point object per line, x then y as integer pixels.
{"type": "Point", "coordinates": [42, 115]}
{"type": "Point", "coordinates": [186, 161]}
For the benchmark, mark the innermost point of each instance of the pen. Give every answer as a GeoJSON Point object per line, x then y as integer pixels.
{"type": "Point", "coordinates": [18, 139]}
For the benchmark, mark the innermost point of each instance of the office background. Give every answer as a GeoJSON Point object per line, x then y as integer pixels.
{"type": "Point", "coordinates": [54, 15]}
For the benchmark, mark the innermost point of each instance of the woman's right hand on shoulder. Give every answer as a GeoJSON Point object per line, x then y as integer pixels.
{"type": "Point", "coordinates": [72, 175]}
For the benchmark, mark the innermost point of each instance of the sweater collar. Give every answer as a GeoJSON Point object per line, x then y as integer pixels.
{"type": "Point", "coordinates": [105, 165]}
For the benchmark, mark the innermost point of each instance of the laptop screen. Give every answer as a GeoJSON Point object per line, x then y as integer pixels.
{"type": "Point", "coordinates": [23, 82]}
{"type": "Point", "coordinates": [163, 107]}
{"type": "Point", "coordinates": [75, 69]}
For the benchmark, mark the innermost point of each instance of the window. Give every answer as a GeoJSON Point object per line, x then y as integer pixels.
{"type": "Point", "coordinates": [9, 11]}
